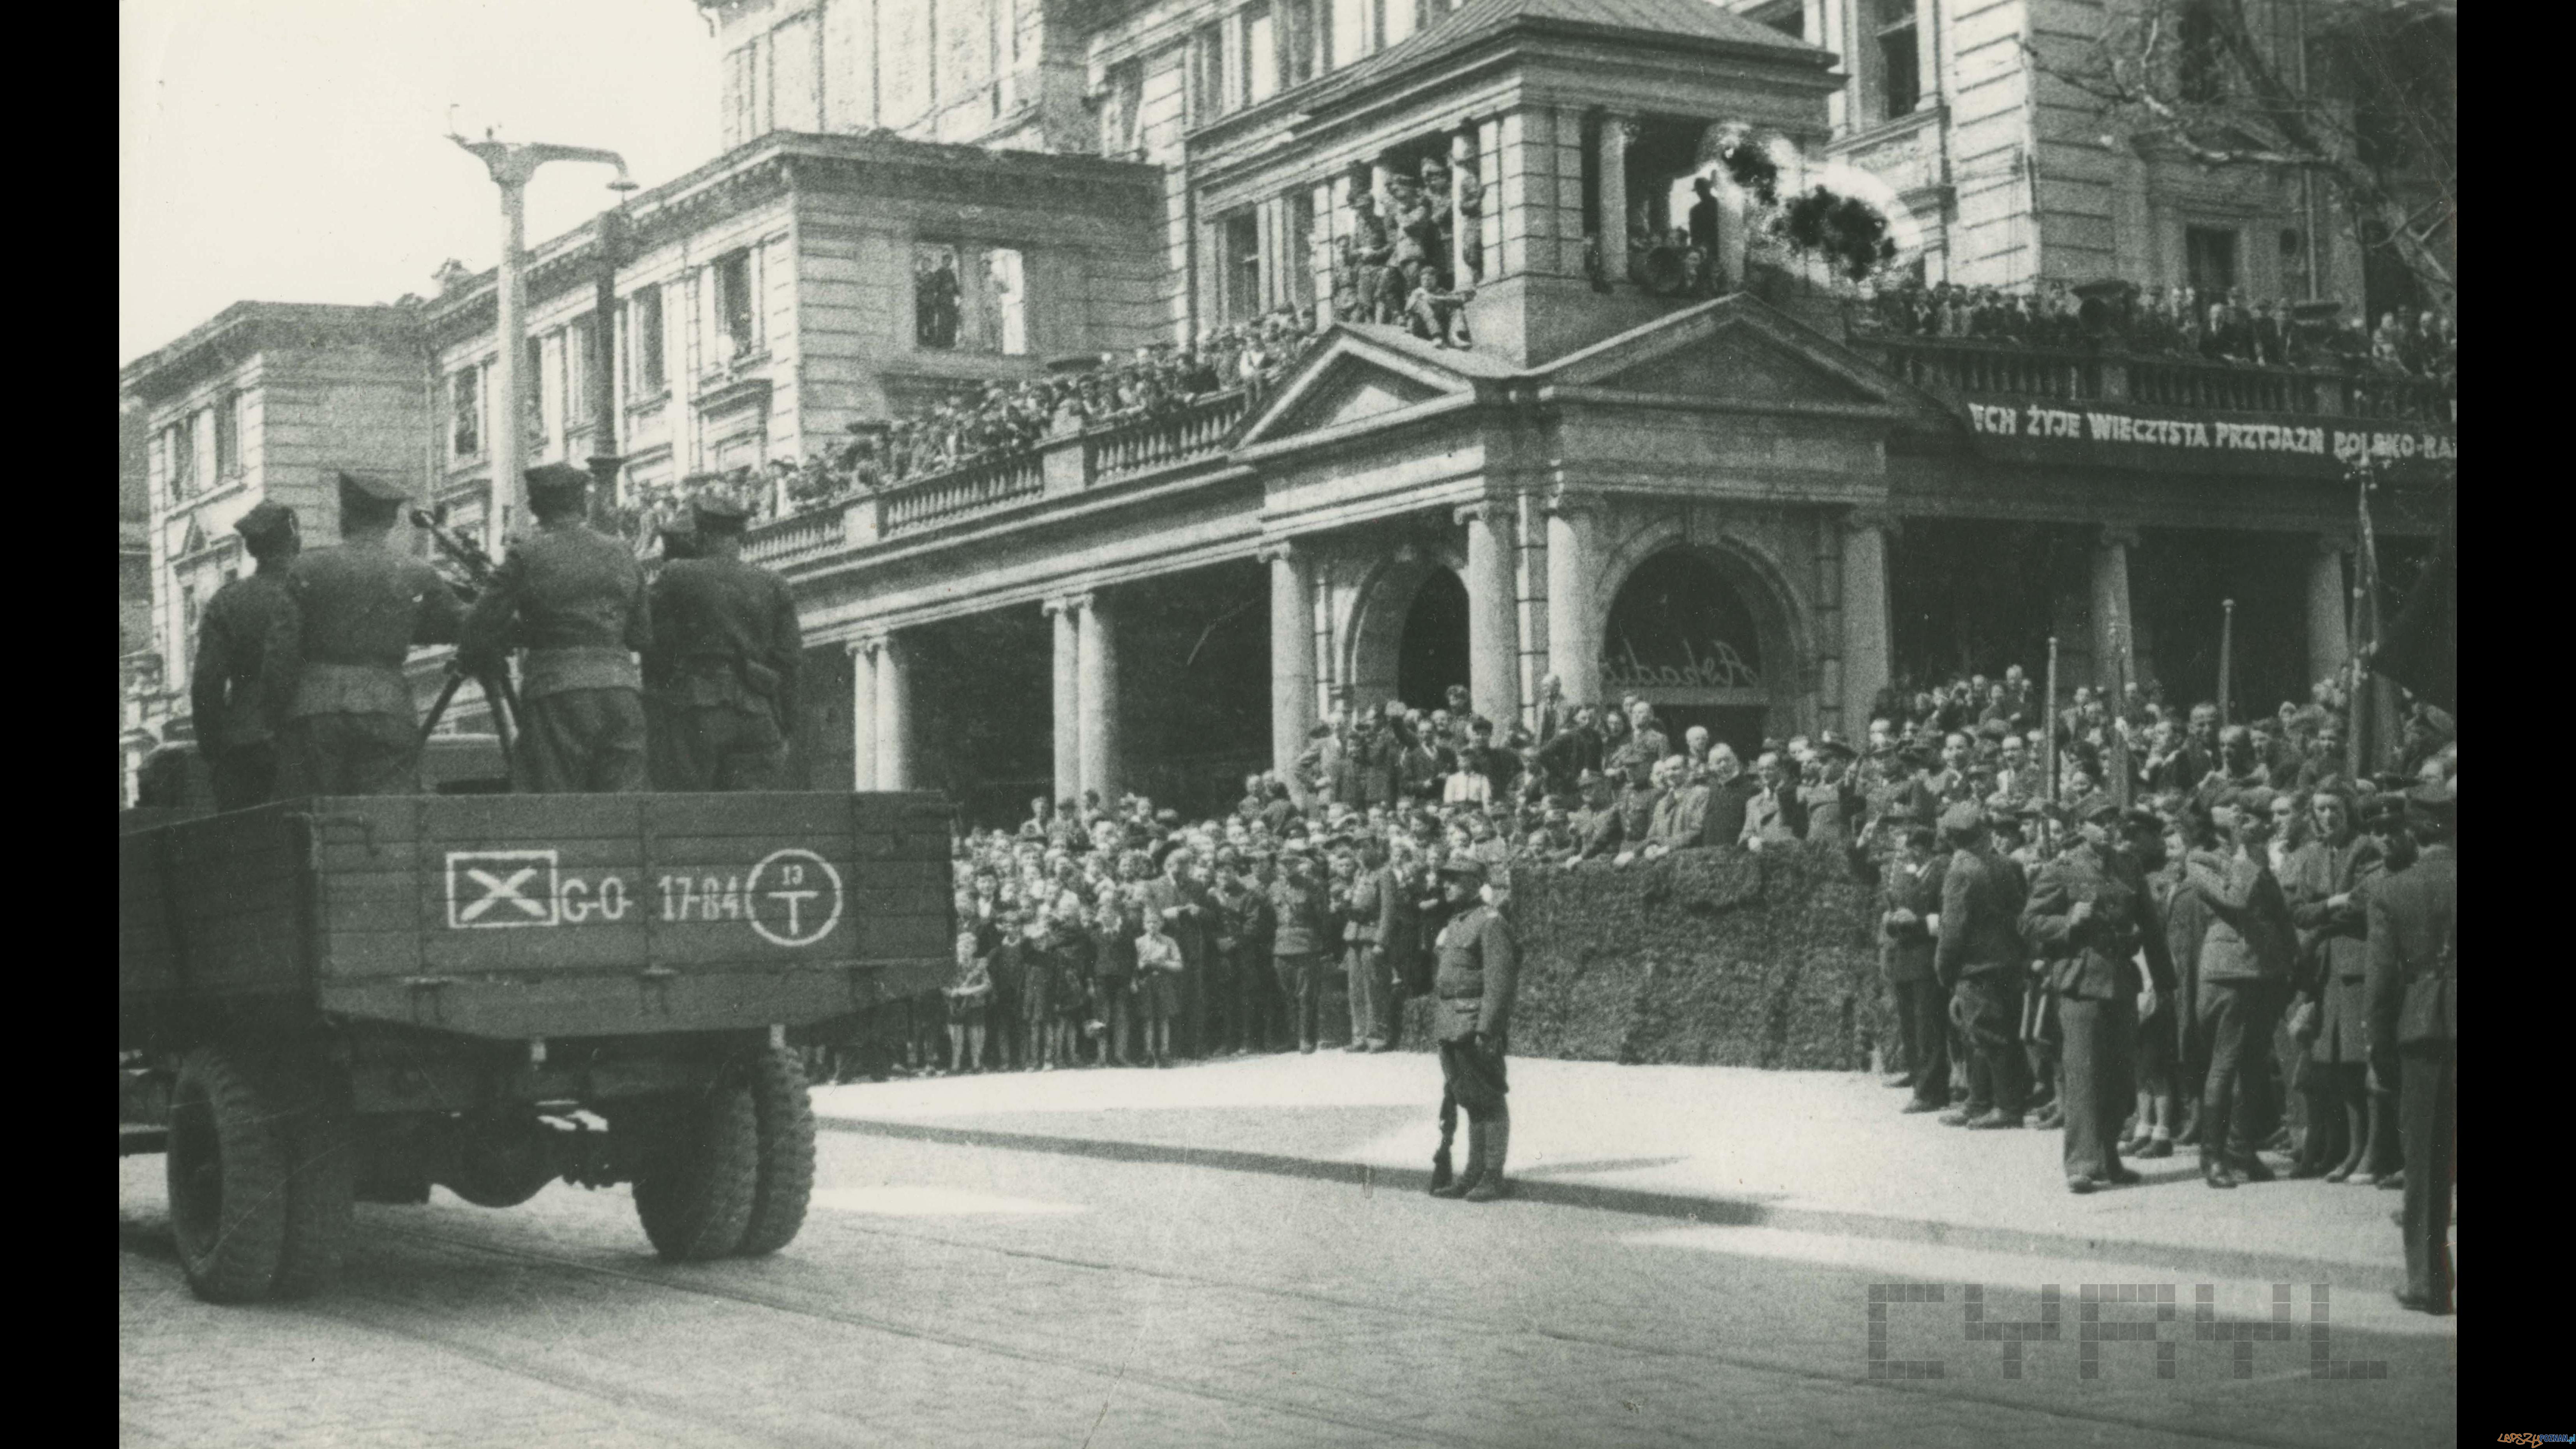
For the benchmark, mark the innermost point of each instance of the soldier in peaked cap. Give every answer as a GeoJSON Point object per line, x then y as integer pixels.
{"type": "Point", "coordinates": [725, 646]}
{"type": "Point", "coordinates": [575, 599]}
{"type": "Point", "coordinates": [2088, 915]}
{"type": "Point", "coordinates": [231, 689]}
{"type": "Point", "coordinates": [1478, 971]}
{"type": "Point", "coordinates": [359, 608]}
{"type": "Point", "coordinates": [2410, 991]}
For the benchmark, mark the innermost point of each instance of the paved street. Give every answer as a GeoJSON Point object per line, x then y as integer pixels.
{"type": "Point", "coordinates": [954, 1293]}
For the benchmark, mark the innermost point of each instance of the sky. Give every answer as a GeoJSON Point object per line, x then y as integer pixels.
{"type": "Point", "coordinates": [296, 151]}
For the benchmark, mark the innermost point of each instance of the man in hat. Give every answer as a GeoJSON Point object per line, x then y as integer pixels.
{"type": "Point", "coordinates": [725, 648]}
{"type": "Point", "coordinates": [2414, 1029]}
{"type": "Point", "coordinates": [231, 688]}
{"type": "Point", "coordinates": [2244, 970]}
{"type": "Point", "coordinates": [1479, 968]}
{"type": "Point", "coordinates": [2087, 919]}
{"type": "Point", "coordinates": [359, 608]}
{"type": "Point", "coordinates": [1729, 789]}
{"type": "Point", "coordinates": [575, 599]}
{"type": "Point", "coordinates": [1978, 958]}
{"type": "Point", "coordinates": [1598, 833]}
{"type": "Point", "coordinates": [1300, 937]}
{"type": "Point", "coordinates": [1909, 888]}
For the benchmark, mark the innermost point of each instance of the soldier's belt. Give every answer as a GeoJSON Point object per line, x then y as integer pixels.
{"type": "Point", "coordinates": [552, 671]}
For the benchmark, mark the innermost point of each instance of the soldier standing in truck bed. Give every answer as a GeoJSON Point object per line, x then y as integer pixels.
{"type": "Point", "coordinates": [359, 607]}
{"type": "Point", "coordinates": [724, 654]}
{"type": "Point", "coordinates": [229, 689]}
{"type": "Point", "coordinates": [661, 725]}
{"type": "Point", "coordinates": [575, 599]}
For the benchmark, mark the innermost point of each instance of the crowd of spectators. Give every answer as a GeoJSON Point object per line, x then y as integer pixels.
{"type": "Point", "coordinates": [1335, 865]}
{"type": "Point", "coordinates": [2178, 321]}
{"type": "Point", "coordinates": [999, 419]}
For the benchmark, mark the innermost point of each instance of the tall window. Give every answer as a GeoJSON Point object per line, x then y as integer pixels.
{"type": "Point", "coordinates": [746, 92]}
{"type": "Point", "coordinates": [1354, 30]}
{"type": "Point", "coordinates": [1260, 55]}
{"type": "Point", "coordinates": [1398, 20]}
{"type": "Point", "coordinates": [1006, 313]}
{"type": "Point", "coordinates": [1899, 72]}
{"type": "Point", "coordinates": [180, 444]}
{"type": "Point", "coordinates": [1120, 106]}
{"type": "Point", "coordinates": [2209, 253]}
{"type": "Point", "coordinates": [465, 413]}
{"type": "Point", "coordinates": [228, 430]}
{"type": "Point", "coordinates": [532, 391]}
{"type": "Point", "coordinates": [1297, 37]}
{"type": "Point", "coordinates": [937, 296]}
{"type": "Point", "coordinates": [1207, 74]}
{"type": "Point", "coordinates": [644, 339]}
{"type": "Point", "coordinates": [1241, 250]}
{"type": "Point", "coordinates": [737, 318]}
{"type": "Point", "coordinates": [2202, 77]}
{"type": "Point", "coordinates": [1301, 249]}
{"type": "Point", "coordinates": [579, 339]}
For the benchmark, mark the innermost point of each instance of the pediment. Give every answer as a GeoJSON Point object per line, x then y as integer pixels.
{"type": "Point", "coordinates": [1740, 350]}
{"type": "Point", "coordinates": [1353, 392]}
{"type": "Point", "coordinates": [1739, 365]}
{"type": "Point", "coordinates": [194, 541]}
{"type": "Point", "coordinates": [1356, 375]}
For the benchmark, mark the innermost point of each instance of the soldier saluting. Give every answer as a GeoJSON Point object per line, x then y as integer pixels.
{"type": "Point", "coordinates": [359, 607]}
{"type": "Point", "coordinates": [574, 598]}
{"type": "Point", "coordinates": [1478, 970]}
{"type": "Point", "coordinates": [724, 655]}
{"type": "Point", "coordinates": [228, 689]}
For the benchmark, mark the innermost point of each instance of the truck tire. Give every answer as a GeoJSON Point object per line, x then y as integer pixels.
{"type": "Point", "coordinates": [230, 1147]}
{"type": "Point", "coordinates": [322, 1184]}
{"type": "Point", "coordinates": [784, 1119]}
{"type": "Point", "coordinates": [695, 1189]}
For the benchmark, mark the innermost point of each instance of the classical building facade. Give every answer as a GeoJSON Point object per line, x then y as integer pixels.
{"type": "Point", "coordinates": [266, 400]}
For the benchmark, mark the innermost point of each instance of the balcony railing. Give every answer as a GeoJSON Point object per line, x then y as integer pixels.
{"type": "Point", "coordinates": [977, 487]}
{"type": "Point", "coordinates": [798, 536]}
{"type": "Point", "coordinates": [1986, 369]}
{"type": "Point", "coordinates": [1151, 442]}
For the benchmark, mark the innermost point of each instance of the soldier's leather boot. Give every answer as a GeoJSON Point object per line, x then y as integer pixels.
{"type": "Point", "coordinates": [1497, 1144]}
{"type": "Point", "coordinates": [2213, 1169]}
{"type": "Point", "coordinates": [1466, 1181]}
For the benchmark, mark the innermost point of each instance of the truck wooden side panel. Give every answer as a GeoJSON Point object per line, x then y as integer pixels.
{"type": "Point", "coordinates": [520, 916]}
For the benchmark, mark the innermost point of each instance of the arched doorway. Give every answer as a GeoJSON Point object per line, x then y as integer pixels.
{"type": "Point", "coordinates": [1431, 654]}
{"type": "Point", "coordinates": [1683, 636]}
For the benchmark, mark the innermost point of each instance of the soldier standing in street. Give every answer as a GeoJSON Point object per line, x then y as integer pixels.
{"type": "Point", "coordinates": [1479, 970]}
{"type": "Point", "coordinates": [359, 607]}
{"type": "Point", "coordinates": [1979, 959]}
{"type": "Point", "coordinates": [725, 647]}
{"type": "Point", "coordinates": [575, 600]}
{"type": "Point", "coordinates": [2085, 918]}
{"type": "Point", "coordinates": [1909, 885]}
{"type": "Point", "coordinates": [2414, 934]}
{"type": "Point", "coordinates": [230, 688]}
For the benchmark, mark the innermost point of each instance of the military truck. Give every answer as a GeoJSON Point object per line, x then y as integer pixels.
{"type": "Point", "coordinates": [333, 1000]}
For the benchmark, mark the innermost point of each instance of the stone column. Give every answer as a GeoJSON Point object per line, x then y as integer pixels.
{"type": "Point", "coordinates": [1068, 699]}
{"type": "Point", "coordinates": [1292, 657]}
{"type": "Point", "coordinates": [2115, 634]}
{"type": "Point", "coordinates": [894, 715]}
{"type": "Point", "coordinates": [1866, 617]}
{"type": "Point", "coordinates": [1614, 198]}
{"type": "Point", "coordinates": [2329, 637]}
{"type": "Point", "coordinates": [1099, 697]}
{"type": "Point", "coordinates": [863, 714]}
{"type": "Point", "coordinates": [1493, 651]}
{"type": "Point", "coordinates": [1573, 628]}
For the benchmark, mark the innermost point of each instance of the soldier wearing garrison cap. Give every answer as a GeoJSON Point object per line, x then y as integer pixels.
{"type": "Point", "coordinates": [1478, 970]}
{"type": "Point", "coordinates": [359, 608]}
{"type": "Point", "coordinates": [576, 601]}
{"type": "Point", "coordinates": [725, 647]}
{"type": "Point", "coordinates": [232, 690]}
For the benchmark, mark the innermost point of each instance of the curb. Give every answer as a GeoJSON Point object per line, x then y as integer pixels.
{"type": "Point", "coordinates": [1684, 1207]}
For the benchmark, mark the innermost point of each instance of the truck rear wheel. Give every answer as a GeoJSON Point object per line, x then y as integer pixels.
{"type": "Point", "coordinates": [260, 1179]}
{"type": "Point", "coordinates": [695, 1187]}
{"type": "Point", "coordinates": [784, 1119]}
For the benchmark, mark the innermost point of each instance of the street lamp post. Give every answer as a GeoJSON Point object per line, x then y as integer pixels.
{"type": "Point", "coordinates": [511, 163]}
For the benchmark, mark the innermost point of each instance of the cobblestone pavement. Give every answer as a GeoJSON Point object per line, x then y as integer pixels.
{"type": "Point", "coordinates": [949, 1295]}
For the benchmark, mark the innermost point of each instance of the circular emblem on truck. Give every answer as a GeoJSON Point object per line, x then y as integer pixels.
{"type": "Point", "coordinates": [794, 897]}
